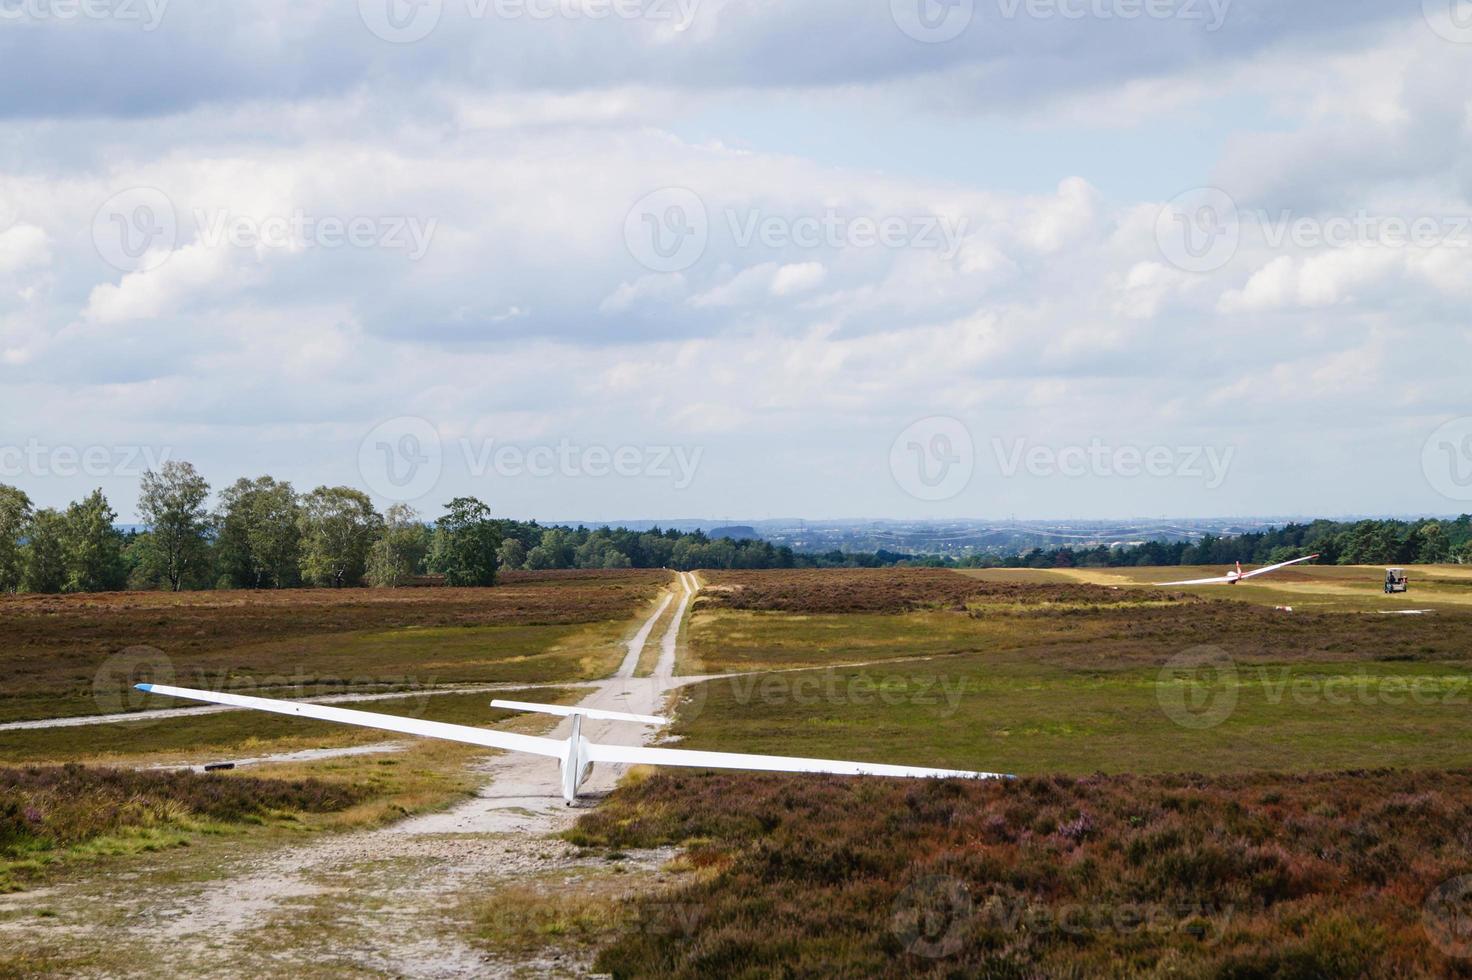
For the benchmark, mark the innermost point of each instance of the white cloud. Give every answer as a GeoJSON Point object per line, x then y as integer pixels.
{"type": "Point", "coordinates": [529, 315]}
{"type": "Point", "coordinates": [798, 278]}
{"type": "Point", "coordinates": [23, 246]}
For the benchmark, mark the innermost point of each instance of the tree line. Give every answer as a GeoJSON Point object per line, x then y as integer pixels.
{"type": "Point", "coordinates": [1368, 542]}
{"type": "Point", "coordinates": [260, 534]}
{"type": "Point", "coordinates": [263, 534]}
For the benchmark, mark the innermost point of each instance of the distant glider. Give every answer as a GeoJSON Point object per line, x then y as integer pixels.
{"type": "Point", "coordinates": [1232, 578]}
{"type": "Point", "coordinates": [576, 755]}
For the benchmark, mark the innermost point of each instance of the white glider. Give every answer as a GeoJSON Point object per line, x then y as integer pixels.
{"type": "Point", "coordinates": [576, 755]}
{"type": "Point", "coordinates": [1232, 578]}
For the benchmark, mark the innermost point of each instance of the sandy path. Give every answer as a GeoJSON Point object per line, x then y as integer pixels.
{"type": "Point", "coordinates": [391, 894]}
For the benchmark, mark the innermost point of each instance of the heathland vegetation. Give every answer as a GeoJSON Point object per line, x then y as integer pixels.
{"type": "Point", "coordinates": [1350, 875]}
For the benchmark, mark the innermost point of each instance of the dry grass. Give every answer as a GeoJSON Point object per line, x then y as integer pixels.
{"type": "Point", "coordinates": [895, 590]}
{"type": "Point", "coordinates": [48, 809]}
{"type": "Point", "coordinates": [57, 650]}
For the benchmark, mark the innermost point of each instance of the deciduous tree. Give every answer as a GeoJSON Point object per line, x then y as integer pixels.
{"type": "Point", "coordinates": [338, 527]}
{"type": "Point", "coordinates": [399, 553]}
{"type": "Point", "coordinates": [260, 534]}
{"type": "Point", "coordinates": [15, 517]}
{"type": "Point", "coordinates": [172, 504]}
{"type": "Point", "coordinates": [45, 554]}
{"type": "Point", "coordinates": [465, 543]}
{"type": "Point", "coordinates": [93, 546]}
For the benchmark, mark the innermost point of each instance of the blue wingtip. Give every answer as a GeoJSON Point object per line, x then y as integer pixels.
{"type": "Point", "coordinates": [146, 688]}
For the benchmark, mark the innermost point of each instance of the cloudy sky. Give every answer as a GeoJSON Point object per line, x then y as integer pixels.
{"type": "Point", "coordinates": [745, 258]}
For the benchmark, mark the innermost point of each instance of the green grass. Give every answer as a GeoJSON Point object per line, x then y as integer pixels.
{"type": "Point", "coordinates": [1007, 714]}
{"type": "Point", "coordinates": [722, 640]}
{"type": "Point", "coordinates": [1076, 685]}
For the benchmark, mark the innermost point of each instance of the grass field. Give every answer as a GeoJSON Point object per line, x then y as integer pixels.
{"type": "Point", "coordinates": [1318, 587]}
{"type": "Point", "coordinates": [1071, 677]}
{"type": "Point", "coordinates": [1280, 793]}
{"type": "Point", "coordinates": [77, 655]}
